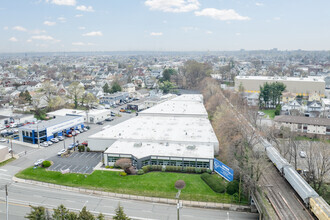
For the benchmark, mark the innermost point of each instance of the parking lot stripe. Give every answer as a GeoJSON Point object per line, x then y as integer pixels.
{"type": "Point", "coordinates": [55, 168]}
{"type": "Point", "coordinates": [62, 168]}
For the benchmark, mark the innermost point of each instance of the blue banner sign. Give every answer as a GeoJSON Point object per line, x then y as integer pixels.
{"type": "Point", "coordinates": [223, 170]}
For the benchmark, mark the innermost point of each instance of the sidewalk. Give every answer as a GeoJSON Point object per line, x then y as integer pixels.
{"type": "Point", "coordinates": [210, 205]}
{"type": "Point", "coordinates": [25, 144]}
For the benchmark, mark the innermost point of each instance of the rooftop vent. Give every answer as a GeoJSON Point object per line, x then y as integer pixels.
{"type": "Point", "coordinates": [191, 147]}
{"type": "Point", "coordinates": [138, 144]}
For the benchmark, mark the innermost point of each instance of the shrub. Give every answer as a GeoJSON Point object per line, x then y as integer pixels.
{"type": "Point", "coordinates": [213, 183]}
{"type": "Point", "coordinates": [46, 163]}
{"type": "Point", "coordinates": [123, 174]}
{"type": "Point", "coordinates": [198, 170]}
{"type": "Point", "coordinates": [146, 169]}
{"type": "Point", "coordinates": [233, 187]}
{"type": "Point", "coordinates": [107, 167]}
{"type": "Point", "coordinates": [123, 163]}
{"type": "Point", "coordinates": [184, 170]}
{"type": "Point", "coordinates": [155, 167]}
{"type": "Point", "coordinates": [209, 171]}
{"type": "Point", "coordinates": [130, 170]}
{"type": "Point", "coordinates": [111, 167]}
{"type": "Point", "coordinates": [140, 172]}
{"type": "Point", "coordinates": [81, 148]}
{"type": "Point", "coordinates": [88, 149]}
{"type": "Point", "coordinates": [116, 167]}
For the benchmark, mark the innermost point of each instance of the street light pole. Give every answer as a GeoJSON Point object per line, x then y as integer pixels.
{"type": "Point", "coordinates": [38, 136]}
{"type": "Point", "coordinates": [11, 147]}
{"type": "Point", "coordinates": [7, 214]}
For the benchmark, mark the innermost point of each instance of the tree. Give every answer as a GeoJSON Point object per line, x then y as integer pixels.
{"type": "Point", "coordinates": [106, 88]}
{"type": "Point", "coordinates": [270, 94]}
{"type": "Point", "coordinates": [84, 214]}
{"type": "Point", "coordinates": [194, 72]}
{"type": "Point", "coordinates": [167, 73]}
{"type": "Point", "coordinates": [166, 86]}
{"type": "Point", "coordinates": [100, 217]}
{"type": "Point", "coordinates": [115, 87]}
{"type": "Point", "coordinates": [71, 216]}
{"type": "Point", "coordinates": [60, 213]}
{"type": "Point", "coordinates": [76, 91]}
{"type": "Point", "coordinates": [90, 99]}
{"type": "Point", "coordinates": [48, 90]}
{"type": "Point", "coordinates": [120, 215]}
{"type": "Point", "coordinates": [37, 213]}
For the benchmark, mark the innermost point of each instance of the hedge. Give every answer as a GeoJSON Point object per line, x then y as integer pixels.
{"type": "Point", "coordinates": [213, 183]}
{"type": "Point", "coordinates": [149, 168]}
{"type": "Point", "coordinates": [233, 187]}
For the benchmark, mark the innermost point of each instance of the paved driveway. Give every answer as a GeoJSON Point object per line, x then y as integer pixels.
{"type": "Point", "coordinates": [77, 162]}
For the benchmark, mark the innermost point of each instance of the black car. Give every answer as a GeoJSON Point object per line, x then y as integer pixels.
{"type": "Point", "coordinates": [109, 119]}
{"type": "Point", "coordinates": [100, 123]}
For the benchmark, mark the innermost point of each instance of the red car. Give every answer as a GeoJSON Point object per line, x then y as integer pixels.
{"type": "Point", "coordinates": [85, 143]}
{"type": "Point", "coordinates": [68, 135]}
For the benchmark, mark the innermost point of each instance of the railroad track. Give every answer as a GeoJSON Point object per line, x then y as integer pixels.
{"type": "Point", "coordinates": [280, 194]}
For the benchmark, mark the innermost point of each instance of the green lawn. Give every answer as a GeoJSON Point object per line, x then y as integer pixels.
{"type": "Point", "coordinates": [269, 112]}
{"type": "Point", "coordinates": [153, 184]}
{"type": "Point", "coordinates": [6, 161]}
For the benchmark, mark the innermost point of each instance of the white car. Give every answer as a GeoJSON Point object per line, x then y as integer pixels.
{"type": "Point", "coordinates": [261, 113]}
{"type": "Point", "coordinates": [61, 152]}
{"type": "Point", "coordinates": [54, 140]}
{"type": "Point", "coordinates": [302, 154]}
{"type": "Point", "coordinates": [85, 129]}
{"type": "Point", "coordinates": [3, 140]}
{"type": "Point", "coordinates": [44, 144]}
{"type": "Point", "coordinates": [39, 162]}
{"type": "Point", "coordinates": [60, 138]}
{"type": "Point", "coordinates": [49, 143]}
{"type": "Point", "coordinates": [77, 132]}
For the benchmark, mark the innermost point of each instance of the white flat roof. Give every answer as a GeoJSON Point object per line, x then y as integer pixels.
{"type": "Point", "coordinates": [144, 149]}
{"type": "Point", "coordinates": [153, 128]}
{"type": "Point", "coordinates": [184, 105]}
{"type": "Point", "coordinates": [65, 111]}
{"type": "Point", "coordinates": [281, 78]}
{"type": "Point", "coordinates": [326, 101]}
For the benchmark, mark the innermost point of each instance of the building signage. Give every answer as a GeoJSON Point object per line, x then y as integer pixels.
{"type": "Point", "coordinates": [65, 125]}
{"type": "Point", "coordinates": [223, 170]}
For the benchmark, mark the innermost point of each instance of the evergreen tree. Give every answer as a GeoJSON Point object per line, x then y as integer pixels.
{"type": "Point", "coordinates": [100, 217]}
{"type": "Point", "coordinates": [85, 215]}
{"type": "Point", "coordinates": [120, 215]}
{"type": "Point", "coordinates": [115, 87]}
{"type": "Point", "coordinates": [60, 213]}
{"type": "Point", "coordinates": [37, 213]}
{"type": "Point", "coordinates": [106, 88]}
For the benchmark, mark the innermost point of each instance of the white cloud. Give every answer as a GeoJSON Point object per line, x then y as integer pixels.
{"type": "Point", "coordinates": [93, 33]}
{"type": "Point", "coordinates": [156, 33]}
{"type": "Point", "coordinates": [209, 32]}
{"type": "Point", "coordinates": [5, 28]}
{"type": "Point", "coordinates": [13, 39]}
{"type": "Point", "coordinates": [81, 28]}
{"type": "Point", "coordinates": [49, 23]}
{"type": "Point", "coordinates": [238, 34]}
{"type": "Point", "coordinates": [62, 19]}
{"type": "Point", "coordinates": [78, 16]}
{"type": "Point", "coordinates": [186, 29]}
{"type": "Point", "coordinates": [277, 18]}
{"type": "Point", "coordinates": [37, 31]}
{"type": "Point", "coordinates": [42, 37]}
{"type": "Point", "coordinates": [85, 8]}
{"type": "Point", "coordinates": [64, 2]}
{"type": "Point", "coordinates": [173, 5]}
{"type": "Point", "coordinates": [222, 15]}
{"type": "Point", "coordinates": [29, 40]}
{"type": "Point", "coordinates": [165, 22]}
{"type": "Point", "coordinates": [19, 28]}
{"type": "Point", "coordinates": [259, 4]}
{"type": "Point", "coordinates": [78, 44]}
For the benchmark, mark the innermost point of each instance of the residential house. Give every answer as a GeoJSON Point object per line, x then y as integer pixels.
{"type": "Point", "coordinates": [288, 97]}
{"type": "Point", "coordinates": [314, 97]}
{"type": "Point", "coordinates": [305, 125]}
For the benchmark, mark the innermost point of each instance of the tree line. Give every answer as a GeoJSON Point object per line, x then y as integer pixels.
{"type": "Point", "coordinates": [115, 87]}
{"type": "Point", "coordinates": [62, 213]}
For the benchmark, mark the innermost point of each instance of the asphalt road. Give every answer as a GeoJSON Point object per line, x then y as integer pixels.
{"type": "Point", "coordinates": [22, 195]}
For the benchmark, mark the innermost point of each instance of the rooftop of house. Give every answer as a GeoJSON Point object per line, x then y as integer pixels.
{"type": "Point", "coordinates": [302, 120]}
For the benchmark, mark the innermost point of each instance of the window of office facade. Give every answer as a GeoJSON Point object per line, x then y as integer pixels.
{"type": "Point", "coordinates": [184, 163]}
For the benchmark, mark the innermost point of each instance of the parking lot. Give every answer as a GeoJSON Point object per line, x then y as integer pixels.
{"type": "Point", "coordinates": [77, 162]}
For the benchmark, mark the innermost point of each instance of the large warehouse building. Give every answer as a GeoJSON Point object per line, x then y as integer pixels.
{"type": "Point", "coordinates": [299, 86]}
{"type": "Point", "coordinates": [49, 129]}
{"type": "Point", "coordinates": [176, 132]}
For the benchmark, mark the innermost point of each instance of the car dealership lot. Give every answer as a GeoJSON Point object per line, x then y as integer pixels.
{"type": "Point", "coordinates": [77, 162]}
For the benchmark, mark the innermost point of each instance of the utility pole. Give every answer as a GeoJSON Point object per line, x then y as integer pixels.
{"type": "Point", "coordinates": [6, 202]}
{"type": "Point", "coordinates": [11, 147]}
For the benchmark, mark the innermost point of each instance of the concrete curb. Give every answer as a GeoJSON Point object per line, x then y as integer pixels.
{"type": "Point", "coordinates": [25, 144]}
{"type": "Point", "coordinates": [209, 205]}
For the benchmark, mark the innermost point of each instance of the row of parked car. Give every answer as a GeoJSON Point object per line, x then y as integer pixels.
{"type": "Point", "coordinates": [61, 138]}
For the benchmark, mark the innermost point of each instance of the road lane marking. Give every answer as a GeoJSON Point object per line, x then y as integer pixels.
{"type": "Point", "coordinates": [3, 170]}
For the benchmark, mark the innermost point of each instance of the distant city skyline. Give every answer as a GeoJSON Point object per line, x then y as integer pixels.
{"type": "Point", "coordinates": [163, 25]}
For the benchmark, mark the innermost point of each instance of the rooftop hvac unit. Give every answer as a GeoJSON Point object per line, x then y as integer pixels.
{"type": "Point", "coordinates": [191, 147]}
{"type": "Point", "coordinates": [138, 144]}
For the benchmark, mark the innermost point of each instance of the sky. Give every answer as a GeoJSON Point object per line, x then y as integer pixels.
{"type": "Point", "coordinates": [163, 25]}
